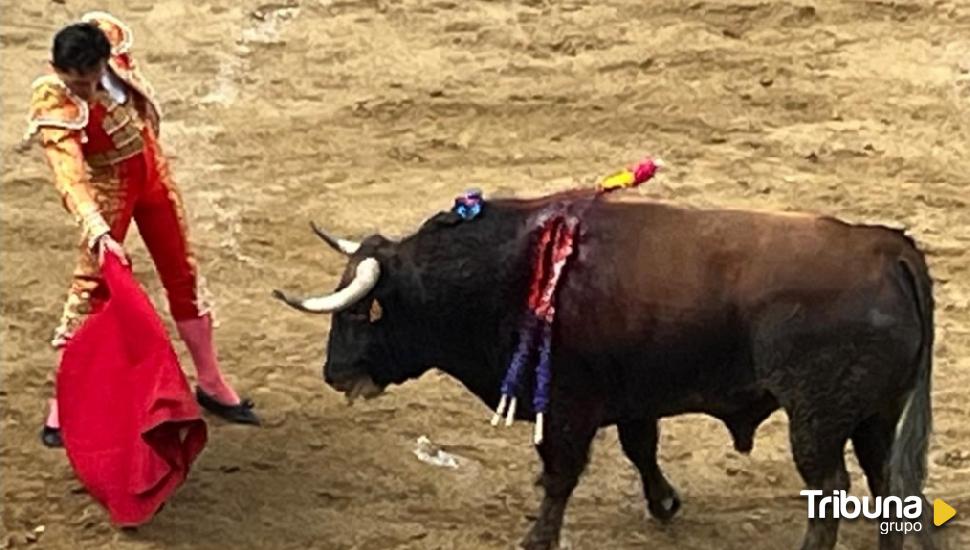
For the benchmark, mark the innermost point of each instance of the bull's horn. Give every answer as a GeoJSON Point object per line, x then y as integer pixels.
{"type": "Point", "coordinates": [368, 272]}
{"type": "Point", "coordinates": [345, 247]}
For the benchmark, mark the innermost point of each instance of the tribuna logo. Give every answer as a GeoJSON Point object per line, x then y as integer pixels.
{"type": "Point", "coordinates": [841, 505]}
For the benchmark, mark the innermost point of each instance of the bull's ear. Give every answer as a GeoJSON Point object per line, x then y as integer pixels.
{"type": "Point", "coordinates": [376, 311]}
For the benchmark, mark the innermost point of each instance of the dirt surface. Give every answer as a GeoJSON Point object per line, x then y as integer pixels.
{"type": "Point", "coordinates": [370, 116]}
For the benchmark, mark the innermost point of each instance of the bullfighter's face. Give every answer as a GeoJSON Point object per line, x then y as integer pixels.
{"type": "Point", "coordinates": [84, 84]}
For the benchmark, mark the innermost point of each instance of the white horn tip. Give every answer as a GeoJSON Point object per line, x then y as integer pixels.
{"type": "Point", "coordinates": [348, 247]}
{"type": "Point", "coordinates": [343, 246]}
{"type": "Point", "coordinates": [368, 273]}
{"type": "Point", "coordinates": [299, 305]}
{"type": "Point", "coordinates": [281, 296]}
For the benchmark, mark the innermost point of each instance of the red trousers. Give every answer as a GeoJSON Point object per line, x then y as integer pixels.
{"type": "Point", "coordinates": [138, 189]}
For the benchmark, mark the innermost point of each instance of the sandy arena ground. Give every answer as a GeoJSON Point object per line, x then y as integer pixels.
{"type": "Point", "coordinates": [370, 116]}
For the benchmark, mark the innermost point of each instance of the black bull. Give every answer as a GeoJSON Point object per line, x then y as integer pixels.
{"type": "Point", "coordinates": [663, 310]}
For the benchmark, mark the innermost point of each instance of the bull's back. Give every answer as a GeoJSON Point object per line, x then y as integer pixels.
{"type": "Point", "coordinates": [668, 296]}
{"type": "Point", "coordinates": [688, 258]}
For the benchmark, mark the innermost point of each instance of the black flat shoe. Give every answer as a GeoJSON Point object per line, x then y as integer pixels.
{"type": "Point", "coordinates": [240, 414]}
{"type": "Point", "coordinates": [51, 437]}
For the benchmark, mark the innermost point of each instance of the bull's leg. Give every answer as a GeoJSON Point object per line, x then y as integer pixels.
{"type": "Point", "coordinates": [873, 441]}
{"type": "Point", "coordinates": [564, 452]}
{"type": "Point", "coordinates": [818, 447]}
{"type": "Point", "coordinates": [639, 440]}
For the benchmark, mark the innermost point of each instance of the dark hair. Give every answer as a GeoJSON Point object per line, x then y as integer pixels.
{"type": "Point", "coordinates": [80, 47]}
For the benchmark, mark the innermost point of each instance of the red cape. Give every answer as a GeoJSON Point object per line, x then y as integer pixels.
{"type": "Point", "coordinates": [129, 422]}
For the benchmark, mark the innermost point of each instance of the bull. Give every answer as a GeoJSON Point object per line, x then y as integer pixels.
{"type": "Point", "coordinates": [664, 310]}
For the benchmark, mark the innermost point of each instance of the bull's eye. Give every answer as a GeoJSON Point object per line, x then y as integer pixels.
{"type": "Point", "coordinates": [376, 311]}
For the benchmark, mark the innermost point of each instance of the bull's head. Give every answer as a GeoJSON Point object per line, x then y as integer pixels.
{"type": "Point", "coordinates": [359, 361]}
{"type": "Point", "coordinates": [446, 297]}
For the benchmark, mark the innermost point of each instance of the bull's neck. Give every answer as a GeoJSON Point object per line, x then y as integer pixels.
{"type": "Point", "coordinates": [467, 294]}
{"type": "Point", "coordinates": [464, 341]}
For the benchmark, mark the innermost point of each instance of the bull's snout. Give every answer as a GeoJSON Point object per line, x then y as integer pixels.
{"type": "Point", "coordinates": [337, 381]}
{"type": "Point", "coordinates": [353, 384]}
{"type": "Point", "coordinates": [340, 384]}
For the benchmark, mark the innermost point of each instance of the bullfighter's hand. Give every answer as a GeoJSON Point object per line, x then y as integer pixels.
{"type": "Point", "coordinates": [108, 244]}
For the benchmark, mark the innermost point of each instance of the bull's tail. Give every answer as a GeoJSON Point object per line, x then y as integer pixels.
{"type": "Point", "coordinates": [908, 464]}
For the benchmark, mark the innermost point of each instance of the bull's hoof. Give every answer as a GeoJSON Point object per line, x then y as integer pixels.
{"type": "Point", "coordinates": [743, 436]}
{"type": "Point", "coordinates": [531, 544]}
{"type": "Point", "coordinates": [666, 508]}
{"type": "Point", "coordinates": [537, 540]}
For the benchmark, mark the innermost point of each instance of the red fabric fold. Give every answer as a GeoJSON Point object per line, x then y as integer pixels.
{"type": "Point", "coordinates": [130, 425]}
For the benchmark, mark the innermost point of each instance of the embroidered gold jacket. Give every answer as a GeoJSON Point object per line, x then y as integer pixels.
{"type": "Point", "coordinates": [61, 119]}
